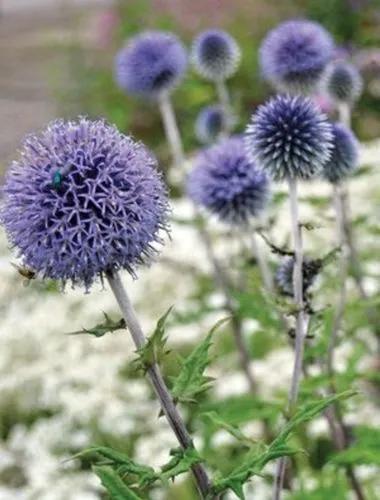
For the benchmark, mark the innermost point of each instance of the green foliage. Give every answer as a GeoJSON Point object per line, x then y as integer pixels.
{"type": "Point", "coordinates": [113, 483]}
{"type": "Point", "coordinates": [255, 460]}
{"type": "Point", "coordinates": [118, 472]}
{"type": "Point", "coordinates": [364, 451]}
{"type": "Point", "coordinates": [181, 462]}
{"type": "Point", "coordinates": [191, 381]}
{"type": "Point", "coordinates": [101, 329]}
{"type": "Point", "coordinates": [155, 348]}
{"type": "Point", "coordinates": [213, 419]}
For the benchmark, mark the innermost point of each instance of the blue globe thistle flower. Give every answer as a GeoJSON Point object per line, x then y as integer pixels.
{"type": "Point", "coordinates": [226, 183]}
{"type": "Point", "coordinates": [289, 138]}
{"type": "Point", "coordinates": [344, 157]}
{"type": "Point", "coordinates": [81, 200]}
{"type": "Point", "coordinates": [343, 82]}
{"type": "Point", "coordinates": [215, 55]}
{"type": "Point", "coordinates": [151, 63]}
{"type": "Point", "coordinates": [294, 55]}
{"type": "Point", "coordinates": [284, 275]}
{"type": "Point", "coordinates": [210, 123]}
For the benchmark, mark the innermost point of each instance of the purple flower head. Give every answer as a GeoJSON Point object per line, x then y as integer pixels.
{"type": "Point", "coordinates": [151, 63]}
{"type": "Point", "coordinates": [343, 82]}
{"type": "Point", "coordinates": [294, 54]}
{"type": "Point", "coordinates": [289, 137]}
{"type": "Point", "coordinates": [215, 55]}
{"type": "Point", "coordinates": [83, 199]}
{"type": "Point", "coordinates": [226, 183]}
{"type": "Point", "coordinates": [210, 123]}
{"type": "Point", "coordinates": [284, 275]}
{"type": "Point", "coordinates": [344, 157]}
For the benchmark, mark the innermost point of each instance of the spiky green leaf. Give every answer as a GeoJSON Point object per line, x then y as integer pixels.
{"type": "Point", "coordinates": [108, 325]}
{"type": "Point", "coordinates": [155, 348]}
{"type": "Point", "coordinates": [113, 483]}
{"type": "Point", "coordinates": [191, 381]}
{"type": "Point", "coordinates": [181, 462]}
{"type": "Point", "coordinates": [255, 460]}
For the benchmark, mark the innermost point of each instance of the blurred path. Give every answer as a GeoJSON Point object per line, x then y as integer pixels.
{"type": "Point", "coordinates": [32, 34]}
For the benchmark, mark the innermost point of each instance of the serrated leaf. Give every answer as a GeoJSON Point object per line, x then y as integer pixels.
{"type": "Point", "coordinates": [364, 451]}
{"type": "Point", "coordinates": [113, 483]}
{"type": "Point", "coordinates": [218, 423]}
{"type": "Point", "coordinates": [121, 461]}
{"type": "Point", "coordinates": [254, 461]}
{"type": "Point", "coordinates": [108, 325]}
{"type": "Point", "coordinates": [191, 381]}
{"type": "Point", "coordinates": [154, 349]}
{"type": "Point", "coordinates": [308, 412]}
{"type": "Point", "coordinates": [181, 462]}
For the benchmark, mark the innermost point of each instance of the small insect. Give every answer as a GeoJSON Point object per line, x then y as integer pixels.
{"type": "Point", "coordinates": [57, 179]}
{"type": "Point", "coordinates": [58, 176]}
{"type": "Point", "coordinates": [25, 272]}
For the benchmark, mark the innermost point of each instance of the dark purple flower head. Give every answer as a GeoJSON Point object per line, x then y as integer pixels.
{"type": "Point", "coordinates": [289, 137]}
{"type": "Point", "coordinates": [151, 63]}
{"type": "Point", "coordinates": [294, 54]}
{"type": "Point", "coordinates": [344, 157]}
{"type": "Point", "coordinates": [215, 55]}
{"type": "Point", "coordinates": [226, 183]}
{"type": "Point", "coordinates": [284, 274]}
{"type": "Point", "coordinates": [210, 123]}
{"type": "Point", "coordinates": [343, 82]}
{"type": "Point", "coordinates": [83, 199]}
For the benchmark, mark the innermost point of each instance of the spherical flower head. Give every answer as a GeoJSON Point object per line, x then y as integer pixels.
{"type": "Point", "coordinates": [289, 138]}
{"type": "Point", "coordinates": [151, 63]}
{"type": "Point", "coordinates": [284, 275]}
{"type": "Point", "coordinates": [215, 55]}
{"type": "Point", "coordinates": [227, 184]}
{"type": "Point", "coordinates": [344, 157]}
{"type": "Point", "coordinates": [210, 123]}
{"type": "Point", "coordinates": [294, 55]}
{"type": "Point", "coordinates": [83, 199]}
{"type": "Point", "coordinates": [343, 82]}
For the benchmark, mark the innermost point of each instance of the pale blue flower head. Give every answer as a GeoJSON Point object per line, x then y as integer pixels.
{"type": "Point", "coordinates": [343, 82]}
{"type": "Point", "coordinates": [345, 156]}
{"type": "Point", "coordinates": [227, 184]}
{"type": "Point", "coordinates": [294, 55]}
{"type": "Point", "coordinates": [215, 55]}
{"type": "Point", "coordinates": [150, 63]}
{"type": "Point", "coordinates": [210, 123]}
{"type": "Point", "coordinates": [289, 138]}
{"type": "Point", "coordinates": [83, 199]}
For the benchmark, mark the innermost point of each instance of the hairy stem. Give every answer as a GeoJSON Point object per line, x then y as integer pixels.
{"type": "Point", "coordinates": [225, 102]}
{"type": "Point", "coordinates": [335, 419]}
{"type": "Point", "coordinates": [344, 113]}
{"type": "Point", "coordinates": [340, 306]}
{"type": "Point", "coordinates": [166, 401]}
{"type": "Point", "coordinates": [301, 322]}
{"type": "Point", "coordinates": [262, 262]}
{"type": "Point", "coordinates": [175, 143]}
{"type": "Point", "coordinates": [223, 283]}
{"type": "Point", "coordinates": [171, 129]}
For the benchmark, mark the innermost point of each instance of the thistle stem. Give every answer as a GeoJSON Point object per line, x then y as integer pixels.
{"type": "Point", "coordinates": [343, 269]}
{"type": "Point", "coordinates": [225, 102]}
{"type": "Point", "coordinates": [334, 416]}
{"type": "Point", "coordinates": [344, 113]}
{"type": "Point", "coordinates": [301, 322]}
{"type": "Point", "coordinates": [175, 143]}
{"type": "Point", "coordinates": [262, 262]}
{"type": "Point", "coordinates": [166, 401]}
{"type": "Point", "coordinates": [223, 283]}
{"type": "Point", "coordinates": [172, 133]}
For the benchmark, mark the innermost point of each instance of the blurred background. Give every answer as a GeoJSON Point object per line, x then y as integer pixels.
{"type": "Point", "coordinates": [57, 58]}
{"type": "Point", "coordinates": [59, 394]}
